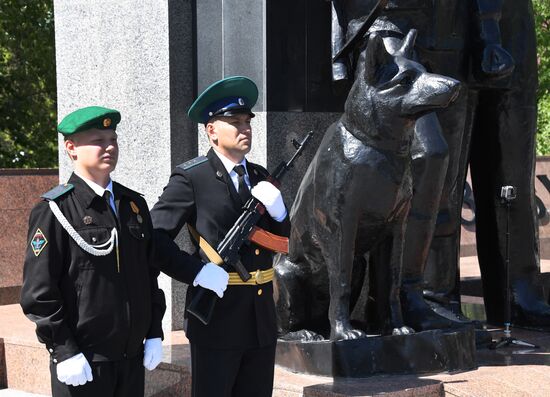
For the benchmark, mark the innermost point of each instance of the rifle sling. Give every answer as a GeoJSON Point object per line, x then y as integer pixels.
{"type": "Point", "coordinates": [258, 277]}
{"type": "Point", "coordinates": [210, 252]}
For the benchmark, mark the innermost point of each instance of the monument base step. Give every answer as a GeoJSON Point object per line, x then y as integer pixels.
{"type": "Point", "coordinates": [173, 378]}
{"type": "Point", "coordinates": [506, 372]}
{"type": "Point", "coordinates": [18, 393]}
{"type": "Point", "coordinates": [24, 369]}
{"type": "Point", "coordinates": [10, 295]}
{"type": "Point", "coordinates": [418, 353]}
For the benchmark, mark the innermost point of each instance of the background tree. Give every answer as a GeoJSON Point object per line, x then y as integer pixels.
{"type": "Point", "coordinates": [28, 88]}
{"type": "Point", "coordinates": [542, 20]}
{"type": "Point", "coordinates": [27, 84]}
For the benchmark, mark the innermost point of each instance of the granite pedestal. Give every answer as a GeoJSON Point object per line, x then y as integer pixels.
{"type": "Point", "coordinates": [422, 352]}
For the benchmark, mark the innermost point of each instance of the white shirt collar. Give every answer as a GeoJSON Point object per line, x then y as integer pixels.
{"type": "Point", "coordinates": [100, 191]}
{"type": "Point", "coordinates": [228, 164]}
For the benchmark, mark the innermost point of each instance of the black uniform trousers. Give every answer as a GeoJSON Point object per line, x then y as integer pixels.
{"type": "Point", "coordinates": [232, 372]}
{"type": "Point", "coordinates": [123, 378]}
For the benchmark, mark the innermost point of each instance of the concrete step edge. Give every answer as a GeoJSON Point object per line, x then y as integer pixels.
{"type": "Point", "coordinates": [19, 393]}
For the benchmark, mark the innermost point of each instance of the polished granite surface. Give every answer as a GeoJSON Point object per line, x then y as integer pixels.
{"type": "Point", "coordinates": [509, 371]}
{"type": "Point", "coordinates": [20, 190]}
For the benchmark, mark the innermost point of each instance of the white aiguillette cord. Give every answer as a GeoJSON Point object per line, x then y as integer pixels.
{"type": "Point", "coordinates": [97, 250]}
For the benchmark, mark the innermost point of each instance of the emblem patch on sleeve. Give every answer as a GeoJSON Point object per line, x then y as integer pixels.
{"type": "Point", "coordinates": [38, 242]}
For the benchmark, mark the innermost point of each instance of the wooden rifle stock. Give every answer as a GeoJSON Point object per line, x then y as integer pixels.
{"type": "Point", "coordinates": [268, 240]}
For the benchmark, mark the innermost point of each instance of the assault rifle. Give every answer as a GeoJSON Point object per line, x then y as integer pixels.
{"type": "Point", "coordinates": [244, 229]}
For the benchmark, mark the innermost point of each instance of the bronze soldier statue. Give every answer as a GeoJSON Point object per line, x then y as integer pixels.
{"type": "Point", "coordinates": [442, 47]}
{"type": "Point", "coordinates": [503, 153]}
{"type": "Point", "coordinates": [446, 46]}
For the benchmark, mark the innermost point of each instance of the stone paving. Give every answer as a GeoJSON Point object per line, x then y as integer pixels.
{"type": "Point", "coordinates": [18, 393]}
{"type": "Point", "coordinates": [509, 371]}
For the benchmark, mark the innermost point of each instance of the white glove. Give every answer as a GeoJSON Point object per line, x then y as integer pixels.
{"type": "Point", "coordinates": [74, 371]}
{"type": "Point", "coordinates": [212, 277]}
{"type": "Point", "coordinates": [152, 353]}
{"type": "Point", "coordinates": [271, 198]}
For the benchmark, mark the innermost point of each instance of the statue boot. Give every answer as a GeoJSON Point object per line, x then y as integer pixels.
{"type": "Point", "coordinates": [418, 314]}
{"type": "Point", "coordinates": [441, 288]}
{"type": "Point", "coordinates": [528, 305]}
{"type": "Point", "coordinates": [429, 165]}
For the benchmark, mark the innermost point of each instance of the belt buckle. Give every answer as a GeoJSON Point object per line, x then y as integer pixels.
{"type": "Point", "coordinates": [258, 277]}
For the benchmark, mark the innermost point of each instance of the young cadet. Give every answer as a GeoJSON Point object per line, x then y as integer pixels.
{"type": "Point", "coordinates": [234, 354]}
{"type": "Point", "coordinates": [88, 281]}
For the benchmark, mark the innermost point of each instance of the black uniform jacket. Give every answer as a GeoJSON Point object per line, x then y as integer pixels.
{"type": "Point", "coordinates": [201, 193]}
{"type": "Point", "coordinates": [85, 303]}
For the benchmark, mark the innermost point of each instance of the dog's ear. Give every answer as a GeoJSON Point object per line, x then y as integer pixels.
{"type": "Point", "coordinates": [407, 48]}
{"type": "Point", "coordinates": [376, 56]}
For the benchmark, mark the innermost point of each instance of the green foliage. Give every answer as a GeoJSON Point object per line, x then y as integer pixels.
{"type": "Point", "coordinates": [27, 84]}
{"type": "Point", "coordinates": [28, 87]}
{"type": "Point", "coordinates": [542, 26]}
{"type": "Point", "coordinates": [543, 137]}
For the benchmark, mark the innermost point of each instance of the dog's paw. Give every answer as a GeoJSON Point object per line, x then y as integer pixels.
{"type": "Point", "coordinates": [346, 334]}
{"type": "Point", "coordinates": [303, 335]}
{"type": "Point", "coordinates": [404, 330]}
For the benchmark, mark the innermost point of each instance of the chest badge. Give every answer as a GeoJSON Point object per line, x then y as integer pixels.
{"type": "Point", "coordinates": [135, 208]}
{"type": "Point", "coordinates": [38, 242]}
{"type": "Point", "coordinates": [87, 220]}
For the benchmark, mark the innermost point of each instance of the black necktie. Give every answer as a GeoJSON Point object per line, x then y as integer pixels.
{"type": "Point", "coordinates": [107, 197]}
{"type": "Point", "coordinates": [244, 192]}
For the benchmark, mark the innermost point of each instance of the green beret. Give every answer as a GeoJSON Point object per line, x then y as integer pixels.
{"type": "Point", "coordinates": [232, 95]}
{"type": "Point", "coordinates": [87, 118]}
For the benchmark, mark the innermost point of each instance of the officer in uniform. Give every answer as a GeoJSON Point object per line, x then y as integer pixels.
{"type": "Point", "coordinates": [234, 354]}
{"type": "Point", "coordinates": [88, 281]}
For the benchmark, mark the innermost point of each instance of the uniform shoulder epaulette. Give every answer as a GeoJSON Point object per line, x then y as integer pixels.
{"type": "Point", "coordinates": [127, 190]}
{"type": "Point", "coordinates": [193, 163]}
{"type": "Point", "coordinates": [58, 191]}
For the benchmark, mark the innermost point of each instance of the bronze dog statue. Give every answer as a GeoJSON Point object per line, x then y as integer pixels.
{"type": "Point", "coordinates": [356, 193]}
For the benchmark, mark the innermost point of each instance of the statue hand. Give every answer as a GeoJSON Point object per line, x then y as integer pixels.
{"type": "Point", "coordinates": [496, 61]}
